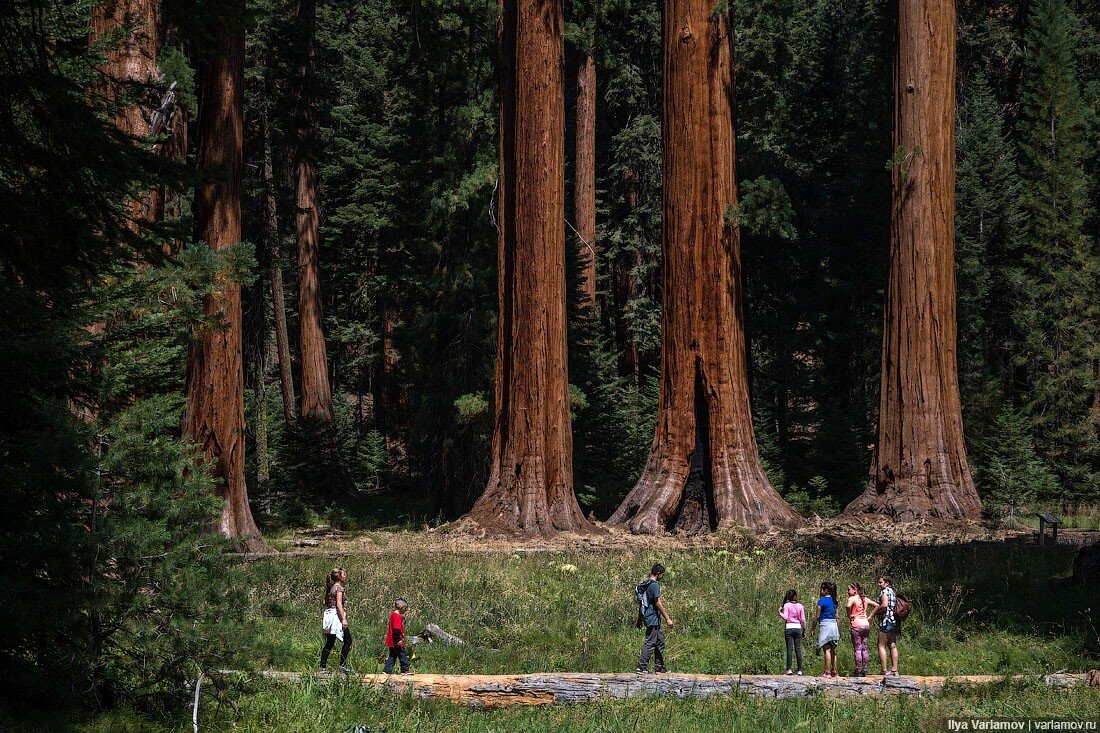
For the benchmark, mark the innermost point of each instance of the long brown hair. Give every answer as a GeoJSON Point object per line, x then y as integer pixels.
{"type": "Point", "coordinates": [334, 577]}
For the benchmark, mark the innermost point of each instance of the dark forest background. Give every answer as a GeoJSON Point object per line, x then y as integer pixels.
{"type": "Point", "coordinates": [408, 159]}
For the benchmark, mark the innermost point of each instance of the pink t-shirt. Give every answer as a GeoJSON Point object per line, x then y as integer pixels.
{"type": "Point", "coordinates": [794, 613]}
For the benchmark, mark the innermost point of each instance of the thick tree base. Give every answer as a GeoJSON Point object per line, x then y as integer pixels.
{"type": "Point", "coordinates": [495, 691]}
{"type": "Point", "coordinates": [645, 510]}
{"type": "Point", "coordinates": [911, 501]}
{"type": "Point", "coordinates": [480, 524]}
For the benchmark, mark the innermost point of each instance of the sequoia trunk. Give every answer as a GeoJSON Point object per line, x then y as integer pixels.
{"type": "Point", "coordinates": [703, 470]}
{"type": "Point", "coordinates": [214, 417]}
{"type": "Point", "coordinates": [531, 482]}
{"type": "Point", "coordinates": [584, 196]}
{"type": "Point", "coordinates": [920, 467]}
{"type": "Point", "coordinates": [316, 391]}
{"type": "Point", "coordinates": [131, 66]}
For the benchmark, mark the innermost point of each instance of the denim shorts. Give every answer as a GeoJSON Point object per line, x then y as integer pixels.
{"type": "Point", "coordinates": [889, 627]}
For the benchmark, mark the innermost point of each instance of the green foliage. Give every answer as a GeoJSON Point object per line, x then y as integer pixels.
{"type": "Point", "coordinates": [471, 407]}
{"type": "Point", "coordinates": [1005, 465]}
{"type": "Point", "coordinates": [114, 588]}
{"type": "Point", "coordinates": [1058, 316]}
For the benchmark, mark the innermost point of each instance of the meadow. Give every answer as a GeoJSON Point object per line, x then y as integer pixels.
{"type": "Point", "coordinates": [979, 608]}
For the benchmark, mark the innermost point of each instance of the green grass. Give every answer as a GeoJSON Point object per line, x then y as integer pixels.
{"type": "Point", "coordinates": [977, 609]}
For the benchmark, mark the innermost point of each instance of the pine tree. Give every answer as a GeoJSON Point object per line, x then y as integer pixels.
{"type": "Point", "coordinates": [1059, 313]}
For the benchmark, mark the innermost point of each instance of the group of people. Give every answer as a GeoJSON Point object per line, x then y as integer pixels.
{"type": "Point", "coordinates": [334, 627]}
{"type": "Point", "coordinates": [860, 608]}
{"type": "Point", "coordinates": [653, 617]}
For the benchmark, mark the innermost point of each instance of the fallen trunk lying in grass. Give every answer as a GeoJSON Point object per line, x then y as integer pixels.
{"type": "Point", "coordinates": [432, 632]}
{"type": "Point", "coordinates": [491, 691]}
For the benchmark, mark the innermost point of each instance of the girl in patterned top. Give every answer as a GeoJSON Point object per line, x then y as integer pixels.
{"type": "Point", "coordinates": [889, 628]}
{"type": "Point", "coordinates": [334, 622]}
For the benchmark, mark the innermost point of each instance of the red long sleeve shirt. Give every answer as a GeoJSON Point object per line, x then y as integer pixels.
{"type": "Point", "coordinates": [397, 624]}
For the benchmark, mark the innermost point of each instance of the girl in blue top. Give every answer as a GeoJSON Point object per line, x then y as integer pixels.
{"type": "Point", "coordinates": [828, 635]}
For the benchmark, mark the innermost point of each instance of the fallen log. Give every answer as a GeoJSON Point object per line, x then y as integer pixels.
{"type": "Point", "coordinates": [432, 632]}
{"type": "Point", "coordinates": [493, 691]}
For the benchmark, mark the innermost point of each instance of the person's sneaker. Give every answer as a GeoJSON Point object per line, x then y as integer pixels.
{"type": "Point", "coordinates": [799, 673]}
{"type": "Point", "coordinates": [662, 670]}
{"type": "Point", "coordinates": [323, 672]}
{"type": "Point", "coordinates": [641, 670]}
{"type": "Point", "coordinates": [346, 669]}
{"type": "Point", "coordinates": [788, 672]}
{"type": "Point", "coordinates": [408, 671]}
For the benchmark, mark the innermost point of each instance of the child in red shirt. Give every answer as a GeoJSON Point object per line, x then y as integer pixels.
{"type": "Point", "coordinates": [395, 639]}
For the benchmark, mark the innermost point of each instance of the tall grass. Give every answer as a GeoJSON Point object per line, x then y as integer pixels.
{"type": "Point", "coordinates": [980, 609]}
{"type": "Point", "coordinates": [977, 609]}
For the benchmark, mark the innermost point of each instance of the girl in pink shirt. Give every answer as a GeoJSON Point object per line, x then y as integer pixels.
{"type": "Point", "coordinates": [794, 627]}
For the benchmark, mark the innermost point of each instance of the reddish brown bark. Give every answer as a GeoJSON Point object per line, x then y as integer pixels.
{"type": "Point", "coordinates": [531, 483]}
{"type": "Point", "coordinates": [703, 469]}
{"type": "Point", "coordinates": [316, 391]}
{"type": "Point", "coordinates": [920, 467]}
{"type": "Point", "coordinates": [390, 394]}
{"type": "Point", "coordinates": [278, 301]}
{"type": "Point", "coordinates": [131, 65]}
{"type": "Point", "coordinates": [214, 416]}
{"type": "Point", "coordinates": [584, 194]}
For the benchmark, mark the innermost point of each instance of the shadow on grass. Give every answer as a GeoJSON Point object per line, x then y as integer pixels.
{"type": "Point", "coordinates": [982, 586]}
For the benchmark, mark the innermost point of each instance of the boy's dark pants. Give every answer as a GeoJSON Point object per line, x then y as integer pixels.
{"type": "Point", "coordinates": [654, 646]}
{"type": "Point", "coordinates": [397, 654]}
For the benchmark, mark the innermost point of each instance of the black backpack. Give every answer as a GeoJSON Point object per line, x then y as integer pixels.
{"type": "Point", "coordinates": [641, 595]}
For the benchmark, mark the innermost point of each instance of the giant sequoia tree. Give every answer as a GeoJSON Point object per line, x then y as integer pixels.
{"type": "Point", "coordinates": [316, 391]}
{"type": "Point", "coordinates": [214, 417]}
{"type": "Point", "coordinates": [530, 486]}
{"type": "Point", "coordinates": [920, 467]}
{"type": "Point", "coordinates": [133, 29]}
{"type": "Point", "coordinates": [704, 468]}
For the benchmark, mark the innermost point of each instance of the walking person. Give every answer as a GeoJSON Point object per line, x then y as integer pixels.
{"type": "Point", "coordinates": [651, 610]}
{"type": "Point", "coordinates": [334, 621]}
{"type": "Point", "coordinates": [889, 627]}
{"type": "Point", "coordinates": [395, 639]}
{"type": "Point", "coordinates": [859, 607]}
{"type": "Point", "coordinates": [793, 614]}
{"type": "Point", "coordinates": [828, 634]}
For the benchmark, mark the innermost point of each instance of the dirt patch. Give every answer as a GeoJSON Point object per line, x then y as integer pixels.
{"type": "Point", "coordinates": [465, 537]}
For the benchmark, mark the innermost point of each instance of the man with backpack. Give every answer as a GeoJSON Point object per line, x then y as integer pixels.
{"type": "Point", "coordinates": [650, 612]}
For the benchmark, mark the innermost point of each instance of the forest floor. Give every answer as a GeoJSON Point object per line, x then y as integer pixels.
{"type": "Point", "coordinates": [866, 532]}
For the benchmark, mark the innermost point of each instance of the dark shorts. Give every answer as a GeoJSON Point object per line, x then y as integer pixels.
{"type": "Point", "coordinates": [889, 627]}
